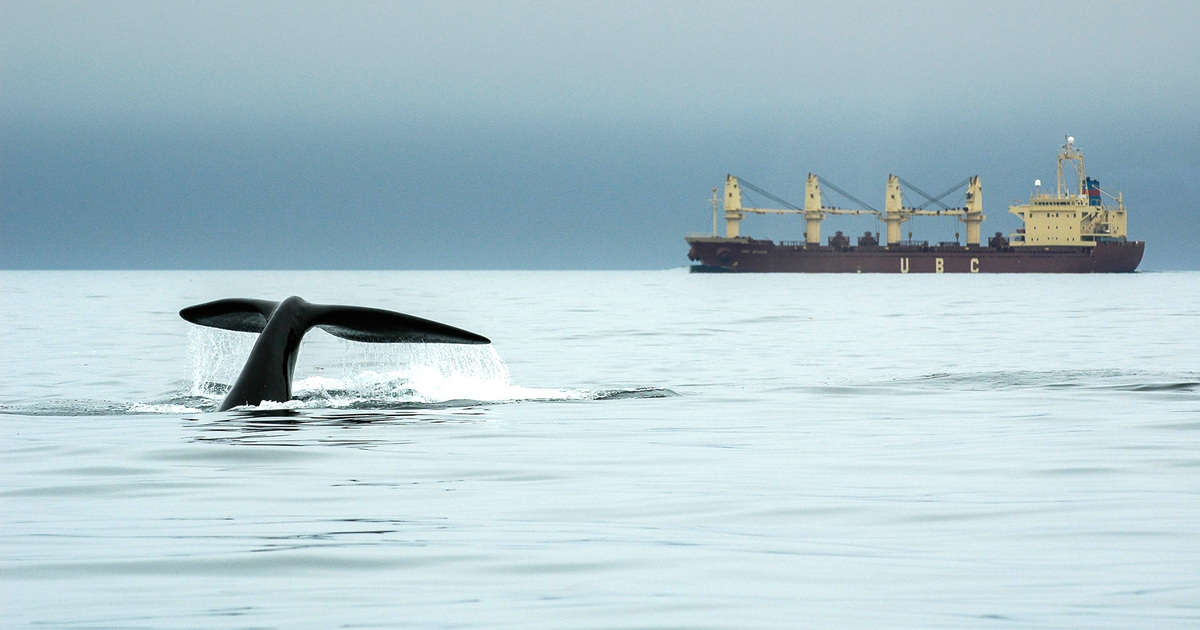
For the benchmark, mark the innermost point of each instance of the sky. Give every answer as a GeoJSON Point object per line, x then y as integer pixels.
{"type": "Point", "coordinates": [562, 135]}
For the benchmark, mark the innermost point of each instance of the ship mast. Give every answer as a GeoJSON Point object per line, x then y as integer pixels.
{"type": "Point", "coordinates": [1075, 156]}
{"type": "Point", "coordinates": [716, 203]}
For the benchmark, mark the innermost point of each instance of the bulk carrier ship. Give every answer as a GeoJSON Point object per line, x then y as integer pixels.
{"type": "Point", "coordinates": [1065, 231]}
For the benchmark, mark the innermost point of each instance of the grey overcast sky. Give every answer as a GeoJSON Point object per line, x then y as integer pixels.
{"type": "Point", "coordinates": [561, 135]}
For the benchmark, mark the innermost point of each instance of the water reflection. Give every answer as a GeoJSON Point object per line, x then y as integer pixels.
{"type": "Point", "coordinates": [321, 427]}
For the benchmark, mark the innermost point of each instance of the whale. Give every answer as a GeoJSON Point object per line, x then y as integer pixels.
{"type": "Point", "coordinates": [267, 374]}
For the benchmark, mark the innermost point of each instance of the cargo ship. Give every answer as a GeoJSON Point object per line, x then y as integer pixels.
{"type": "Point", "coordinates": [1080, 229]}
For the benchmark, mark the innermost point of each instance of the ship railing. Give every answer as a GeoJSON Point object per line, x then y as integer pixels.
{"type": "Point", "coordinates": [791, 243]}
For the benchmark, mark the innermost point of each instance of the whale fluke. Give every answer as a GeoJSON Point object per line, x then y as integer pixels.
{"type": "Point", "coordinates": [237, 314]}
{"type": "Point", "coordinates": [267, 374]}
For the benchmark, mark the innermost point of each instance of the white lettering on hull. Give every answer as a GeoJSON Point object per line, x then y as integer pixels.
{"type": "Point", "coordinates": [974, 265]}
{"type": "Point", "coordinates": [940, 265]}
{"type": "Point", "coordinates": [903, 265]}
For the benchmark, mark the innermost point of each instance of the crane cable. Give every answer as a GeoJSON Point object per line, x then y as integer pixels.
{"type": "Point", "coordinates": [938, 199]}
{"type": "Point", "coordinates": [786, 204]}
{"type": "Point", "coordinates": [845, 194]}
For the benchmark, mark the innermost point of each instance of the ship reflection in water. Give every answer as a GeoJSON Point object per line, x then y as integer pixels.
{"type": "Point", "coordinates": [1069, 230]}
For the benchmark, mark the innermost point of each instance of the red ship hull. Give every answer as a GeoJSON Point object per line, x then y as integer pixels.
{"type": "Point", "coordinates": [750, 255]}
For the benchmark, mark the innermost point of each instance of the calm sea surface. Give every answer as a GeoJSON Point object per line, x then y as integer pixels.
{"type": "Point", "coordinates": [635, 450]}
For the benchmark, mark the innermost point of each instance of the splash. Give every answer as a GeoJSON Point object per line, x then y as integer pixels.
{"type": "Point", "coordinates": [356, 375]}
{"type": "Point", "coordinates": [425, 374]}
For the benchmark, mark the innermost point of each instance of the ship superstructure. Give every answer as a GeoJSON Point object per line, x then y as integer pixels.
{"type": "Point", "coordinates": [1069, 216]}
{"type": "Point", "coordinates": [1067, 231]}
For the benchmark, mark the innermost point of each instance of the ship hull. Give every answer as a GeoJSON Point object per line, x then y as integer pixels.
{"type": "Point", "coordinates": [747, 255]}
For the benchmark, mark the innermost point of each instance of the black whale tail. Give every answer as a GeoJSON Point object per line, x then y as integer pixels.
{"type": "Point", "coordinates": [267, 374]}
{"type": "Point", "coordinates": [356, 323]}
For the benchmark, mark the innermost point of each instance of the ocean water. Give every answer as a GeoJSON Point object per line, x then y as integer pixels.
{"type": "Point", "coordinates": [648, 449]}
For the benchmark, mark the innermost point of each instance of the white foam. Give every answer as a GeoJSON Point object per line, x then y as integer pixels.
{"type": "Point", "coordinates": [380, 373]}
{"type": "Point", "coordinates": [425, 373]}
{"type": "Point", "coordinates": [164, 408]}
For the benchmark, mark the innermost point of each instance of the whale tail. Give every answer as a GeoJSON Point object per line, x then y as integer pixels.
{"type": "Point", "coordinates": [356, 323]}
{"type": "Point", "coordinates": [267, 374]}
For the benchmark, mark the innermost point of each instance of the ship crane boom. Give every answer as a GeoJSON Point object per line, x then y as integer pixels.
{"type": "Point", "coordinates": [814, 210]}
{"type": "Point", "coordinates": [971, 214]}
